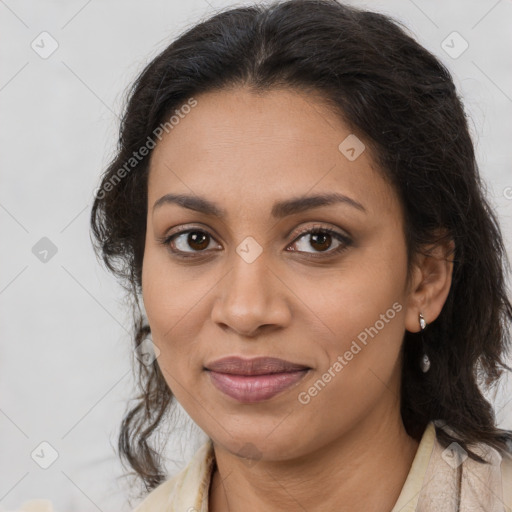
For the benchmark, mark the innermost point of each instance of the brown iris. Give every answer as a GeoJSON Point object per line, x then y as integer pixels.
{"type": "Point", "coordinates": [321, 239]}
{"type": "Point", "coordinates": [201, 240]}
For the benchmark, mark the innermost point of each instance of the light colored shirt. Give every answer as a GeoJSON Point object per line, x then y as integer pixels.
{"type": "Point", "coordinates": [440, 480]}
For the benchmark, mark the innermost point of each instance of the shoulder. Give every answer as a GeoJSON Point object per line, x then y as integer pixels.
{"type": "Point", "coordinates": [158, 498]}
{"type": "Point", "coordinates": [453, 474]}
{"type": "Point", "coordinates": [506, 479]}
{"type": "Point", "coordinates": [186, 490]}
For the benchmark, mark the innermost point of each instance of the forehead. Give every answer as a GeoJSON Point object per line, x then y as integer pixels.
{"type": "Point", "coordinates": [236, 144]}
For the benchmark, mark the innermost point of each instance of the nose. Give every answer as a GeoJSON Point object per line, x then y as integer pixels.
{"type": "Point", "coordinates": [251, 298]}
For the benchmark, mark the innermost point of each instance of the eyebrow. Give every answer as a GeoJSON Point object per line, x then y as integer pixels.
{"type": "Point", "coordinates": [280, 209]}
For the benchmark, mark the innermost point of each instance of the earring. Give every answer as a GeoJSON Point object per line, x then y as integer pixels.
{"type": "Point", "coordinates": [425, 361]}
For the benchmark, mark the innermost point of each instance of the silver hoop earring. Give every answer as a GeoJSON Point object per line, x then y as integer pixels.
{"type": "Point", "coordinates": [425, 361]}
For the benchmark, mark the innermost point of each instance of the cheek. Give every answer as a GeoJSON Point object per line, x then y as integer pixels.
{"type": "Point", "coordinates": [361, 349]}
{"type": "Point", "coordinates": [364, 287]}
{"type": "Point", "coordinates": [169, 290]}
{"type": "Point", "coordinates": [168, 303]}
{"type": "Point", "coordinates": [363, 329]}
{"type": "Point", "coordinates": [168, 300]}
{"type": "Point", "coordinates": [361, 307]}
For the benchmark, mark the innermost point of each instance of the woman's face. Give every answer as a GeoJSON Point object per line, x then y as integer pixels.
{"type": "Point", "coordinates": [248, 280]}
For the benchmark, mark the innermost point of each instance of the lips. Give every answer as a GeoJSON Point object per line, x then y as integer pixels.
{"type": "Point", "coordinates": [254, 380]}
{"type": "Point", "coordinates": [255, 366]}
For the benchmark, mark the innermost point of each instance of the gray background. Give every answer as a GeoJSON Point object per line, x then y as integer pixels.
{"type": "Point", "coordinates": [65, 351]}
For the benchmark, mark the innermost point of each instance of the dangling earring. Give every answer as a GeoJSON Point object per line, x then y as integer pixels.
{"type": "Point", "coordinates": [425, 361]}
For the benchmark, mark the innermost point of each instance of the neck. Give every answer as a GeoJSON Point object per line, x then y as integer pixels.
{"type": "Point", "coordinates": [364, 469]}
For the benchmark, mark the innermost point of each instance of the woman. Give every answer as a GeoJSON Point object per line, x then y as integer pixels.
{"type": "Point", "coordinates": [317, 276]}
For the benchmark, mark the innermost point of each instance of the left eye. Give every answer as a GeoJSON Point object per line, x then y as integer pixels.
{"type": "Point", "coordinates": [321, 240]}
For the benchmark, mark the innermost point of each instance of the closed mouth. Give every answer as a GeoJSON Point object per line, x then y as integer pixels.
{"type": "Point", "coordinates": [235, 365]}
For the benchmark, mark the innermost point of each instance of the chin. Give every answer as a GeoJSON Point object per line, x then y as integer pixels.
{"type": "Point", "coordinates": [256, 443]}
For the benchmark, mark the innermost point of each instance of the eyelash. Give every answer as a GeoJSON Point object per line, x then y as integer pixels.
{"type": "Point", "coordinates": [345, 242]}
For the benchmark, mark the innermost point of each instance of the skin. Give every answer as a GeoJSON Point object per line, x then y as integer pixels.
{"type": "Point", "coordinates": [245, 151]}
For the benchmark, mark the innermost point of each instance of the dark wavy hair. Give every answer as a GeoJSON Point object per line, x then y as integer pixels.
{"type": "Point", "coordinates": [403, 103]}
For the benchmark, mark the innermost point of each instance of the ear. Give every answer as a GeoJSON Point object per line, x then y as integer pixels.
{"type": "Point", "coordinates": [430, 282]}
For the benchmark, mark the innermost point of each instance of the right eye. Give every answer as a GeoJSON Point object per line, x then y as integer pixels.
{"type": "Point", "coordinates": [180, 242]}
